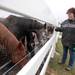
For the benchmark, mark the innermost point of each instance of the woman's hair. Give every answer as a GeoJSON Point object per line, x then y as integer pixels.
{"type": "Point", "coordinates": [71, 10]}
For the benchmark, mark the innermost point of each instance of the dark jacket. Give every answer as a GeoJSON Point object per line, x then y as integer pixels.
{"type": "Point", "coordinates": [68, 32]}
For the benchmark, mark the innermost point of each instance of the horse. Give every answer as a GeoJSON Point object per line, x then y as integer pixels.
{"type": "Point", "coordinates": [15, 49]}
{"type": "Point", "coordinates": [21, 27]}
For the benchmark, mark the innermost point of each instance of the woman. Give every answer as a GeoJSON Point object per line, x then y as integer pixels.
{"type": "Point", "coordinates": [68, 38]}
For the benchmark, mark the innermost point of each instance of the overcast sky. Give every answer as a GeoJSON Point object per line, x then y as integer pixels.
{"type": "Point", "coordinates": [35, 8]}
{"type": "Point", "coordinates": [58, 7]}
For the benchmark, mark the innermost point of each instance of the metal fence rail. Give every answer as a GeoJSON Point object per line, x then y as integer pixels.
{"type": "Point", "coordinates": [32, 66]}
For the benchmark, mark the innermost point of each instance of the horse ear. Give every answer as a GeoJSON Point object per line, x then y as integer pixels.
{"type": "Point", "coordinates": [45, 26]}
{"type": "Point", "coordinates": [19, 45]}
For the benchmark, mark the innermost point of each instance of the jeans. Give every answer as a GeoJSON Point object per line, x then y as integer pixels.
{"type": "Point", "coordinates": [72, 55]}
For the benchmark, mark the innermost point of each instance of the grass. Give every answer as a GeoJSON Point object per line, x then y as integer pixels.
{"type": "Point", "coordinates": [54, 68]}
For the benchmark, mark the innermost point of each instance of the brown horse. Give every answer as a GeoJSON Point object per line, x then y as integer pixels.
{"type": "Point", "coordinates": [22, 27]}
{"type": "Point", "coordinates": [15, 49]}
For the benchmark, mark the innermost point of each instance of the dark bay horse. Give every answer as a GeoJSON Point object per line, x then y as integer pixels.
{"type": "Point", "coordinates": [22, 27]}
